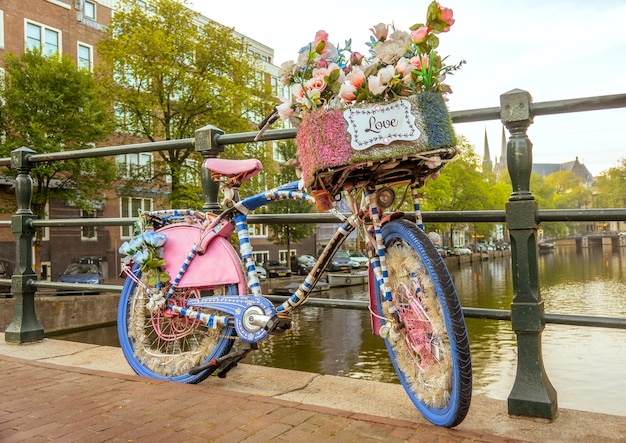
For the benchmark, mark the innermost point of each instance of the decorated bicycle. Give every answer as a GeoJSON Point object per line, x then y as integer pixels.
{"type": "Point", "coordinates": [192, 305]}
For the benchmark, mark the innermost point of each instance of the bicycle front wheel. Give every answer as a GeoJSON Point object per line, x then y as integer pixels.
{"type": "Point", "coordinates": [165, 345]}
{"type": "Point", "coordinates": [426, 334]}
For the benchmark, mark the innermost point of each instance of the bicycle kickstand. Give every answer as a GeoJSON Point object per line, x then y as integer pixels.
{"type": "Point", "coordinates": [224, 363]}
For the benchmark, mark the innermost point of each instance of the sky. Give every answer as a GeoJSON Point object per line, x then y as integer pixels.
{"type": "Point", "coordinates": [555, 50]}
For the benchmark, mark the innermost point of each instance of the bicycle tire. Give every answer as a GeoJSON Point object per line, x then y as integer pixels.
{"type": "Point", "coordinates": [435, 367]}
{"type": "Point", "coordinates": [187, 343]}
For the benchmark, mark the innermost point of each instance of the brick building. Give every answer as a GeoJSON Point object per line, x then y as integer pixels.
{"type": "Point", "coordinates": [74, 27]}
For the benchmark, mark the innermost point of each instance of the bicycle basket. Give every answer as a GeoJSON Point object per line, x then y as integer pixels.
{"type": "Point", "coordinates": [375, 143]}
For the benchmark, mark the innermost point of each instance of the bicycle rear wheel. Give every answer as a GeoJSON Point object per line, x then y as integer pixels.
{"type": "Point", "coordinates": [427, 340]}
{"type": "Point", "coordinates": [165, 345]}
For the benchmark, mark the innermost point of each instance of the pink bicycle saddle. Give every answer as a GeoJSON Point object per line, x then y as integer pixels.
{"type": "Point", "coordinates": [234, 168]}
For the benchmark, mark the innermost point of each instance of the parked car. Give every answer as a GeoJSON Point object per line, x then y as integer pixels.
{"type": "Point", "coordinates": [461, 251]}
{"type": "Point", "coordinates": [80, 273]}
{"type": "Point", "coordinates": [359, 260]}
{"type": "Point", "coordinates": [340, 262]}
{"type": "Point", "coordinates": [276, 269]}
{"type": "Point", "coordinates": [302, 264]}
{"type": "Point", "coordinates": [442, 251]}
{"type": "Point", "coordinates": [261, 272]}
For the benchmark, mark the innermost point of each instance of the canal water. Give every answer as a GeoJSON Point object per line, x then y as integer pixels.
{"type": "Point", "coordinates": [587, 366]}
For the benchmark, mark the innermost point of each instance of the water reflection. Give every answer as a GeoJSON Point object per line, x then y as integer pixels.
{"type": "Point", "coordinates": [329, 341]}
{"type": "Point", "coordinates": [586, 365]}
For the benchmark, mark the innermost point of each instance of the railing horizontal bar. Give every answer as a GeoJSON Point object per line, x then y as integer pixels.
{"type": "Point", "coordinates": [185, 143]}
{"type": "Point", "coordinates": [586, 320]}
{"type": "Point", "coordinates": [598, 103]}
{"type": "Point", "coordinates": [597, 214]}
{"type": "Point", "coordinates": [249, 137]}
{"type": "Point", "coordinates": [487, 314]}
{"type": "Point", "coordinates": [475, 115]}
{"type": "Point", "coordinates": [43, 284]}
{"type": "Point", "coordinates": [464, 116]}
{"type": "Point", "coordinates": [491, 216]}
{"type": "Point", "coordinates": [67, 222]}
{"type": "Point", "coordinates": [480, 313]}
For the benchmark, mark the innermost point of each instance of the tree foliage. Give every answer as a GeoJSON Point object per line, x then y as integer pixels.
{"type": "Point", "coordinates": [169, 75]}
{"type": "Point", "coordinates": [462, 186]}
{"type": "Point", "coordinates": [611, 187]}
{"type": "Point", "coordinates": [285, 234]}
{"type": "Point", "coordinates": [48, 105]}
{"type": "Point", "coordinates": [560, 190]}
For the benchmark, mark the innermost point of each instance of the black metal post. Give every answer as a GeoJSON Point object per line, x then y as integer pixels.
{"type": "Point", "coordinates": [208, 147]}
{"type": "Point", "coordinates": [532, 394]}
{"type": "Point", "coordinates": [24, 326]}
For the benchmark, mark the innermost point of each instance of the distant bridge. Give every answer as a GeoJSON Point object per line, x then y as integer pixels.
{"type": "Point", "coordinates": [592, 239]}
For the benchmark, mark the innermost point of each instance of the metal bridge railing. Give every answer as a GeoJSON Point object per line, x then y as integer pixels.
{"type": "Point", "coordinates": [532, 393]}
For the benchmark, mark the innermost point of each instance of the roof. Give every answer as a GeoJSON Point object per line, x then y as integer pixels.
{"type": "Point", "coordinates": [545, 169]}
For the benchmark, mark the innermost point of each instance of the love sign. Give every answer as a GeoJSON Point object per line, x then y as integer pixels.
{"type": "Point", "coordinates": [380, 124]}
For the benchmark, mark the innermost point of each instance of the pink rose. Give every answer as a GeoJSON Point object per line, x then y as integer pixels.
{"type": "Point", "coordinates": [315, 84]}
{"type": "Point", "coordinates": [419, 63]}
{"type": "Point", "coordinates": [380, 31]}
{"type": "Point", "coordinates": [356, 77]}
{"type": "Point", "coordinates": [320, 71]}
{"type": "Point", "coordinates": [356, 58]}
{"type": "Point", "coordinates": [419, 35]}
{"type": "Point", "coordinates": [347, 92]}
{"type": "Point", "coordinates": [445, 15]}
{"type": "Point", "coordinates": [321, 38]}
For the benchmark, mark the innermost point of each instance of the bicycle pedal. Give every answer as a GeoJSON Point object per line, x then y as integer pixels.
{"type": "Point", "coordinates": [278, 325]}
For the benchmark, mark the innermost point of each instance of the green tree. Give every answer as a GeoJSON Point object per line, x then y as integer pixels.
{"type": "Point", "coordinates": [611, 187]}
{"type": "Point", "coordinates": [285, 233]}
{"type": "Point", "coordinates": [169, 76]}
{"type": "Point", "coordinates": [462, 186]}
{"type": "Point", "coordinates": [49, 105]}
{"type": "Point", "coordinates": [560, 190]}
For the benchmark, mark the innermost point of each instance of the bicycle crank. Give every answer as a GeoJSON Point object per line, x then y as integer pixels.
{"type": "Point", "coordinates": [252, 315]}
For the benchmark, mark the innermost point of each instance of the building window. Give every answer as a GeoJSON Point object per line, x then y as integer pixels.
{"type": "Point", "coordinates": [129, 208]}
{"type": "Point", "coordinates": [45, 39]}
{"type": "Point", "coordinates": [85, 58]}
{"type": "Point", "coordinates": [90, 10]}
{"type": "Point", "coordinates": [189, 173]}
{"type": "Point", "coordinates": [282, 255]}
{"type": "Point", "coordinates": [257, 230]}
{"type": "Point", "coordinates": [88, 232]}
{"type": "Point", "coordinates": [46, 273]}
{"type": "Point", "coordinates": [135, 165]}
{"type": "Point", "coordinates": [276, 154]}
{"type": "Point", "coordinates": [127, 121]}
{"type": "Point", "coordinates": [261, 256]}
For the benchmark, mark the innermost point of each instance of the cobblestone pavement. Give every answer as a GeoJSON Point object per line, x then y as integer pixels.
{"type": "Point", "coordinates": [44, 402]}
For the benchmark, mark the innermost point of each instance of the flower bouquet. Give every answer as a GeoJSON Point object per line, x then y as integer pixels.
{"type": "Point", "coordinates": [368, 111]}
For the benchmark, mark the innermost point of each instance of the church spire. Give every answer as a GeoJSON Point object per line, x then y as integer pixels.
{"type": "Point", "coordinates": [487, 165]}
{"type": "Point", "coordinates": [503, 149]}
